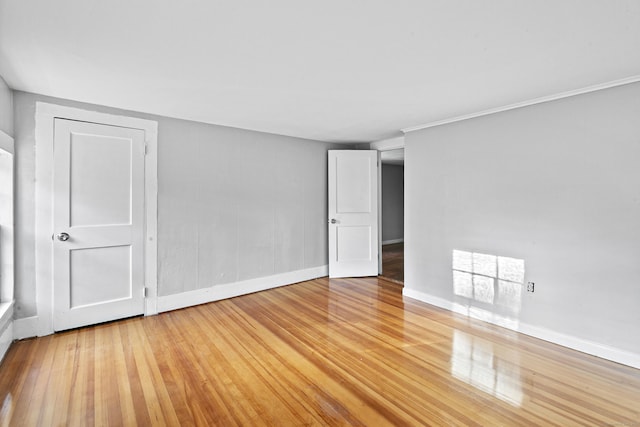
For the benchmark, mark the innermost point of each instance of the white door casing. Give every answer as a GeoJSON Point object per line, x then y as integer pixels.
{"type": "Point", "coordinates": [6, 220]}
{"type": "Point", "coordinates": [390, 144]}
{"type": "Point", "coordinates": [98, 218]}
{"type": "Point", "coordinates": [46, 115]}
{"type": "Point", "coordinates": [353, 213]}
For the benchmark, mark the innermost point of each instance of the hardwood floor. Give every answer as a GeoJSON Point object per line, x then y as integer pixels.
{"type": "Point", "coordinates": [393, 262]}
{"type": "Point", "coordinates": [323, 352]}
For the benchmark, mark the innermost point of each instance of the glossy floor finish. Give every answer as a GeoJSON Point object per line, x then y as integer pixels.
{"type": "Point", "coordinates": [323, 352]}
{"type": "Point", "coordinates": [393, 262]}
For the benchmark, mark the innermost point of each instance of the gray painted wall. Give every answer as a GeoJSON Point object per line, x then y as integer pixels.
{"type": "Point", "coordinates": [556, 185]}
{"type": "Point", "coordinates": [233, 204]}
{"type": "Point", "coordinates": [6, 108]}
{"type": "Point", "coordinates": [392, 202]}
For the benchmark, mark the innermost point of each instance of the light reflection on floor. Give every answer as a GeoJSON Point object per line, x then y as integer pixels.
{"type": "Point", "coordinates": [474, 362]}
{"type": "Point", "coordinates": [487, 287]}
{"type": "Point", "coordinates": [7, 408]}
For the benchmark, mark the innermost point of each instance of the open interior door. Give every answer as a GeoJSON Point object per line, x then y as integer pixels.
{"type": "Point", "coordinates": [353, 213]}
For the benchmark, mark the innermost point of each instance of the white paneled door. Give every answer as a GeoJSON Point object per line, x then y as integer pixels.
{"type": "Point", "coordinates": [353, 213]}
{"type": "Point", "coordinates": [98, 205]}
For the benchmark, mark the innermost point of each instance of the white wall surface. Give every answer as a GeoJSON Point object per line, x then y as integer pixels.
{"type": "Point", "coordinates": [6, 108]}
{"type": "Point", "coordinates": [233, 204]}
{"type": "Point", "coordinates": [392, 202]}
{"type": "Point", "coordinates": [236, 205]}
{"type": "Point", "coordinates": [556, 185]}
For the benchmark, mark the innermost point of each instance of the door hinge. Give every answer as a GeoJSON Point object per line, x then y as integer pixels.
{"type": "Point", "coordinates": [145, 292]}
{"type": "Point", "coordinates": [146, 148]}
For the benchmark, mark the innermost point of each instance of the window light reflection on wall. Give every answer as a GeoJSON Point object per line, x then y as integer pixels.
{"type": "Point", "coordinates": [488, 279]}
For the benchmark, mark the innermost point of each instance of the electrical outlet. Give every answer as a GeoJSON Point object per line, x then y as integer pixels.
{"type": "Point", "coordinates": [530, 286]}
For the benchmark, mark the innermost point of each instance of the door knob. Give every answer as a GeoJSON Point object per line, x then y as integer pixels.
{"type": "Point", "coordinates": [63, 237]}
{"type": "Point", "coordinates": [333, 220]}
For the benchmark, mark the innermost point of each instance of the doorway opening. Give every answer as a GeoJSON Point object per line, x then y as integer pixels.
{"type": "Point", "coordinates": [392, 195]}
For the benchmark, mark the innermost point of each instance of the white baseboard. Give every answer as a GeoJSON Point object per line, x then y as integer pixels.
{"type": "Point", "coordinates": [428, 298]}
{"type": "Point", "coordinates": [230, 290]}
{"type": "Point", "coordinates": [392, 241]}
{"type": "Point", "coordinates": [25, 328]}
{"type": "Point", "coordinates": [585, 346]}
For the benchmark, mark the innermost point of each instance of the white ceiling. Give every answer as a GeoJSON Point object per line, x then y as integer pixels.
{"type": "Point", "coordinates": [331, 70]}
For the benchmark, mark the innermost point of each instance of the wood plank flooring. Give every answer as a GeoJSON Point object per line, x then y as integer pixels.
{"type": "Point", "coordinates": [323, 352]}
{"type": "Point", "coordinates": [393, 262]}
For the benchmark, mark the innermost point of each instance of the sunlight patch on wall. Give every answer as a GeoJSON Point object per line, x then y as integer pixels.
{"type": "Point", "coordinates": [488, 287]}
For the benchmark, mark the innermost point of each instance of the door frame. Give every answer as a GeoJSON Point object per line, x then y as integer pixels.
{"type": "Point", "coordinates": [383, 145]}
{"type": "Point", "coordinates": [45, 115]}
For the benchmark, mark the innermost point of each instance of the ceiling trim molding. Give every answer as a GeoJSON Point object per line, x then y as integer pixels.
{"type": "Point", "coordinates": [388, 144]}
{"type": "Point", "coordinates": [548, 98]}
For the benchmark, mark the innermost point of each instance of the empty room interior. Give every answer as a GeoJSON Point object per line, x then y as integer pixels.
{"type": "Point", "coordinates": [320, 213]}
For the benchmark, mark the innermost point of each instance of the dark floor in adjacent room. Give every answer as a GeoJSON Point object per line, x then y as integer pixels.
{"type": "Point", "coordinates": [393, 262]}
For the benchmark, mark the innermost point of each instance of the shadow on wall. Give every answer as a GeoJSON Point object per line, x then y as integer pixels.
{"type": "Point", "coordinates": [488, 287]}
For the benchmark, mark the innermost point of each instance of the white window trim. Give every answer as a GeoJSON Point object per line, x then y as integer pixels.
{"type": "Point", "coordinates": [7, 287]}
{"type": "Point", "coordinates": [45, 115]}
